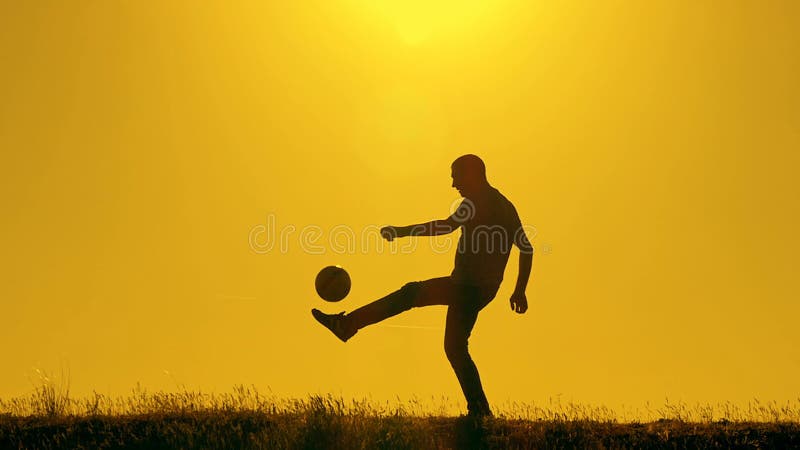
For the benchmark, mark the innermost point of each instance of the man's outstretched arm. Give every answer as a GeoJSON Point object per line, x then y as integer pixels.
{"type": "Point", "coordinates": [459, 217]}
{"type": "Point", "coordinates": [432, 228]}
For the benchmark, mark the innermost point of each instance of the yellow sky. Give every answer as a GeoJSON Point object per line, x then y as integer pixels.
{"type": "Point", "coordinates": [652, 145]}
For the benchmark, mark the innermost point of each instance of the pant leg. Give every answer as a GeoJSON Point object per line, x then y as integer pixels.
{"type": "Point", "coordinates": [461, 317]}
{"type": "Point", "coordinates": [436, 291]}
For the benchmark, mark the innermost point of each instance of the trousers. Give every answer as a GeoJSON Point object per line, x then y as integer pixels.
{"type": "Point", "coordinates": [463, 302]}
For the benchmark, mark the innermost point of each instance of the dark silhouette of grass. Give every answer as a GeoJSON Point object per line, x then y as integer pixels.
{"type": "Point", "coordinates": [248, 419]}
{"type": "Point", "coordinates": [319, 430]}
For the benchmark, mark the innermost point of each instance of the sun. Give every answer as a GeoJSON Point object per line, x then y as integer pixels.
{"type": "Point", "coordinates": [416, 21]}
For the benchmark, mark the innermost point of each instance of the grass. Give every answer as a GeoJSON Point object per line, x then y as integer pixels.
{"type": "Point", "coordinates": [248, 418]}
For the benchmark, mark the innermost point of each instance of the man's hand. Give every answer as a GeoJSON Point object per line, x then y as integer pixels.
{"type": "Point", "coordinates": [519, 303]}
{"type": "Point", "coordinates": [389, 233]}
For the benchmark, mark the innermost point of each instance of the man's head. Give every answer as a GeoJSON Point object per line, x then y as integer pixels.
{"type": "Point", "coordinates": [469, 175]}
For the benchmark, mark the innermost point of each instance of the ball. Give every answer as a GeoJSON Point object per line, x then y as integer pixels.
{"type": "Point", "coordinates": [332, 283]}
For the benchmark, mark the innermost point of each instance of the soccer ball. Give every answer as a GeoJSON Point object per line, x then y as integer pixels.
{"type": "Point", "coordinates": [332, 283]}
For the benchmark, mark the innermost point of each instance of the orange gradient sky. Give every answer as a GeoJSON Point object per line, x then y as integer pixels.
{"type": "Point", "coordinates": [652, 145]}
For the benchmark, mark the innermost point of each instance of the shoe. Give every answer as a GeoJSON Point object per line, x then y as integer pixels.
{"type": "Point", "coordinates": [337, 323]}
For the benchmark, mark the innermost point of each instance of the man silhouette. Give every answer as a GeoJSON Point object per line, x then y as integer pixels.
{"type": "Point", "coordinates": [489, 224]}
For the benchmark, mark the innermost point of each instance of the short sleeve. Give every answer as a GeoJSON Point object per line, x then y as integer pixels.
{"type": "Point", "coordinates": [518, 231]}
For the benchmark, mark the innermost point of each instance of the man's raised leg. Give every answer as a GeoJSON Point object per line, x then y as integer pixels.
{"type": "Point", "coordinates": [417, 293]}
{"type": "Point", "coordinates": [388, 306]}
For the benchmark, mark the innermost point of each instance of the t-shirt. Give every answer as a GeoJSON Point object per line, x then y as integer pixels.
{"type": "Point", "coordinates": [489, 226]}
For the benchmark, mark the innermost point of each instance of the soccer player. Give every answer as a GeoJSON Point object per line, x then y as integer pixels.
{"type": "Point", "coordinates": [489, 225]}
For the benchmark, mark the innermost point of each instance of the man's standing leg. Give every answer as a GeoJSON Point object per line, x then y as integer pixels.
{"type": "Point", "coordinates": [461, 317]}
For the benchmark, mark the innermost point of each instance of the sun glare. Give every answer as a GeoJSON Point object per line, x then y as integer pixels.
{"type": "Point", "coordinates": [416, 21]}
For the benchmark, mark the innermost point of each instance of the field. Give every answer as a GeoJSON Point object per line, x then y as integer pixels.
{"type": "Point", "coordinates": [247, 418]}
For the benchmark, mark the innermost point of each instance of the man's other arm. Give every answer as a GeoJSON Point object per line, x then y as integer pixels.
{"type": "Point", "coordinates": [519, 301]}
